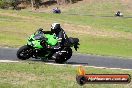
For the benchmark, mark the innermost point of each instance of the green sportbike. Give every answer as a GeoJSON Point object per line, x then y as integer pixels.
{"type": "Point", "coordinates": [39, 47]}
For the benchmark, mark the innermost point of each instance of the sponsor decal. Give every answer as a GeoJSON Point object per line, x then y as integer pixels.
{"type": "Point", "coordinates": [83, 78]}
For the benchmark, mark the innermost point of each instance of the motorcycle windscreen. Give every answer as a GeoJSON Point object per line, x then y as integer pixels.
{"type": "Point", "coordinates": [39, 36]}
{"type": "Point", "coordinates": [52, 41]}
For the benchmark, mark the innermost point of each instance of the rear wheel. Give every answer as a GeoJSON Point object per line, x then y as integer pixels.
{"type": "Point", "coordinates": [60, 59]}
{"type": "Point", "coordinates": [24, 52]}
{"type": "Point", "coordinates": [68, 53]}
{"type": "Point", "coordinates": [64, 56]}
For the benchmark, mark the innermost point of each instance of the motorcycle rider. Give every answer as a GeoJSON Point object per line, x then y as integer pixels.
{"type": "Point", "coordinates": [59, 33]}
{"type": "Point", "coordinates": [118, 13]}
{"type": "Point", "coordinates": [56, 10]}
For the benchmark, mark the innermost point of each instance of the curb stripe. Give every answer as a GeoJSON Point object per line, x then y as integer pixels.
{"type": "Point", "coordinates": [7, 61]}
{"type": "Point", "coordinates": [88, 66]}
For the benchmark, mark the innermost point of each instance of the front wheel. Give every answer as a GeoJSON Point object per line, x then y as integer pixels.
{"type": "Point", "coordinates": [24, 52]}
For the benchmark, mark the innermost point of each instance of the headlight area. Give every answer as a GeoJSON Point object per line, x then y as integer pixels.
{"type": "Point", "coordinates": [30, 43]}
{"type": "Point", "coordinates": [36, 44]}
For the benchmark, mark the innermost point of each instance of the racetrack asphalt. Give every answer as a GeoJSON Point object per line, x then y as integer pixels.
{"type": "Point", "coordinates": [78, 59]}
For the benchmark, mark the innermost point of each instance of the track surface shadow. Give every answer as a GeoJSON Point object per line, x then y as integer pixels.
{"type": "Point", "coordinates": [53, 61]}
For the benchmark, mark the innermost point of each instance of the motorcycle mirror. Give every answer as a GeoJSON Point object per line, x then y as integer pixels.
{"type": "Point", "coordinates": [40, 29]}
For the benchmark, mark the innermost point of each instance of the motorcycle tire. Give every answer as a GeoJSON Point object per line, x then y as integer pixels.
{"type": "Point", "coordinates": [69, 53]}
{"type": "Point", "coordinates": [64, 57]}
{"type": "Point", "coordinates": [24, 52]}
{"type": "Point", "coordinates": [59, 59]}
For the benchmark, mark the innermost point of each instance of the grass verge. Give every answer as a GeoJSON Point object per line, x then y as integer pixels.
{"type": "Point", "coordinates": [40, 75]}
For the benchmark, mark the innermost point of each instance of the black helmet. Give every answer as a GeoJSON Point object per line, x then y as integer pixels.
{"type": "Point", "coordinates": [55, 28]}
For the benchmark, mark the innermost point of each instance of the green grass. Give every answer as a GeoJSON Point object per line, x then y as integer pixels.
{"type": "Point", "coordinates": [99, 7]}
{"type": "Point", "coordinates": [109, 46]}
{"type": "Point", "coordinates": [96, 8]}
{"type": "Point", "coordinates": [40, 75]}
{"type": "Point", "coordinates": [105, 23]}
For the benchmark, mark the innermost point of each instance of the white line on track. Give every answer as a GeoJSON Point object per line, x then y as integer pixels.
{"type": "Point", "coordinates": [88, 66]}
{"type": "Point", "coordinates": [8, 61]}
